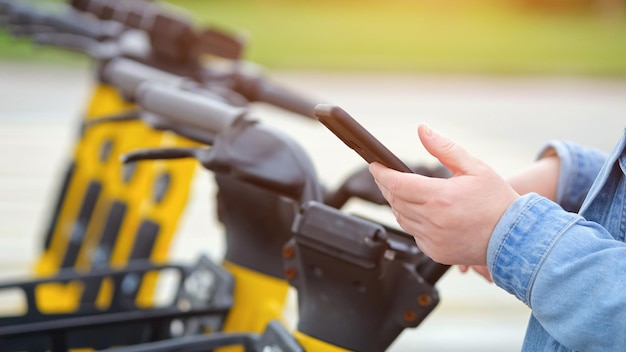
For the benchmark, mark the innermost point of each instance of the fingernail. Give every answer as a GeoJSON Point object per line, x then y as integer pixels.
{"type": "Point", "coordinates": [427, 131]}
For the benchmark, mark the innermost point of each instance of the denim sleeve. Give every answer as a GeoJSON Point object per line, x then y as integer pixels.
{"type": "Point", "coordinates": [569, 271]}
{"type": "Point", "coordinates": [579, 168]}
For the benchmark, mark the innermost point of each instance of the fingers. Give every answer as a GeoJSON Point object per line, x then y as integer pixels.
{"type": "Point", "coordinates": [440, 212]}
{"type": "Point", "coordinates": [404, 187]}
{"type": "Point", "coordinates": [449, 153]}
{"type": "Point", "coordinates": [483, 271]}
{"type": "Point", "coordinates": [480, 269]}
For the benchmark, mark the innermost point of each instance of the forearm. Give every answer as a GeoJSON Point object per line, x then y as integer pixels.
{"type": "Point", "coordinates": [563, 172]}
{"type": "Point", "coordinates": [541, 177]}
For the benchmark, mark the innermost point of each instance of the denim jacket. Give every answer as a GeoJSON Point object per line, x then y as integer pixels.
{"type": "Point", "coordinates": [567, 261]}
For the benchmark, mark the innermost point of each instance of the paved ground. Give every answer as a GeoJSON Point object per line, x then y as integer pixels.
{"type": "Point", "coordinates": [502, 120]}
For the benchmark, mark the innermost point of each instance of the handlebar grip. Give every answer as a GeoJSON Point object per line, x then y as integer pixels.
{"type": "Point", "coordinates": [9, 7]}
{"type": "Point", "coordinates": [4, 7]}
{"type": "Point", "coordinates": [172, 36]}
{"type": "Point", "coordinates": [190, 109]}
{"type": "Point", "coordinates": [68, 21]}
{"type": "Point", "coordinates": [101, 9]}
{"type": "Point", "coordinates": [137, 14]}
{"type": "Point", "coordinates": [127, 75]}
{"type": "Point", "coordinates": [256, 88]}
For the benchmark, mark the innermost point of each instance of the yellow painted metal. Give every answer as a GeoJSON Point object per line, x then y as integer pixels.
{"type": "Point", "coordinates": [104, 101]}
{"type": "Point", "coordinates": [311, 344]}
{"type": "Point", "coordinates": [136, 193]}
{"type": "Point", "coordinates": [64, 297]}
{"type": "Point", "coordinates": [258, 298]}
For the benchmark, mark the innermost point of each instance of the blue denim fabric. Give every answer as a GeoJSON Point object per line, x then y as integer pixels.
{"type": "Point", "coordinates": [579, 168]}
{"type": "Point", "coordinates": [569, 268]}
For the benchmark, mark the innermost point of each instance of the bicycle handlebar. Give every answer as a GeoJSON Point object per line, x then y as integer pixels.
{"type": "Point", "coordinates": [256, 88]}
{"type": "Point", "coordinates": [172, 34]}
{"type": "Point", "coordinates": [67, 21]}
{"type": "Point", "coordinates": [127, 75]}
{"type": "Point", "coordinates": [83, 33]}
{"type": "Point", "coordinates": [190, 109]}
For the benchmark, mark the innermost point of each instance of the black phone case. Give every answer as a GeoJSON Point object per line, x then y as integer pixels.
{"type": "Point", "coordinates": [355, 136]}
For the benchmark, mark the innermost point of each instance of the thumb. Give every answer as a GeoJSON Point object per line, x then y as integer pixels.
{"type": "Point", "coordinates": [448, 152]}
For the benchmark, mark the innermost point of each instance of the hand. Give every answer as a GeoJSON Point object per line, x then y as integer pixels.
{"type": "Point", "coordinates": [480, 269]}
{"type": "Point", "coordinates": [451, 219]}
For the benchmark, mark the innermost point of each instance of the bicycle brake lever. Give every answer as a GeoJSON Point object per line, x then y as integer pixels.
{"type": "Point", "coordinates": [29, 30]}
{"type": "Point", "coordinates": [163, 154]}
{"type": "Point", "coordinates": [66, 41]}
{"type": "Point", "coordinates": [129, 115]}
{"type": "Point", "coordinates": [78, 43]}
{"type": "Point", "coordinates": [75, 22]}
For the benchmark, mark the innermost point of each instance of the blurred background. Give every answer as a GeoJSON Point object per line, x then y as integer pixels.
{"type": "Point", "coordinates": [573, 37]}
{"type": "Point", "coordinates": [500, 77]}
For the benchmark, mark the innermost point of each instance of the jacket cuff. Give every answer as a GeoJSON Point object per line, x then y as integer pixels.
{"type": "Point", "coordinates": [579, 168]}
{"type": "Point", "coordinates": [522, 239]}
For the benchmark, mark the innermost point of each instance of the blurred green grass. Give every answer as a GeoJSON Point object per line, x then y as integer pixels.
{"type": "Point", "coordinates": [479, 37]}
{"type": "Point", "coordinates": [476, 37]}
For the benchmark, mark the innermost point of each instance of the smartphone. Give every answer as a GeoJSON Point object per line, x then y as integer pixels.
{"type": "Point", "coordinates": [355, 136]}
